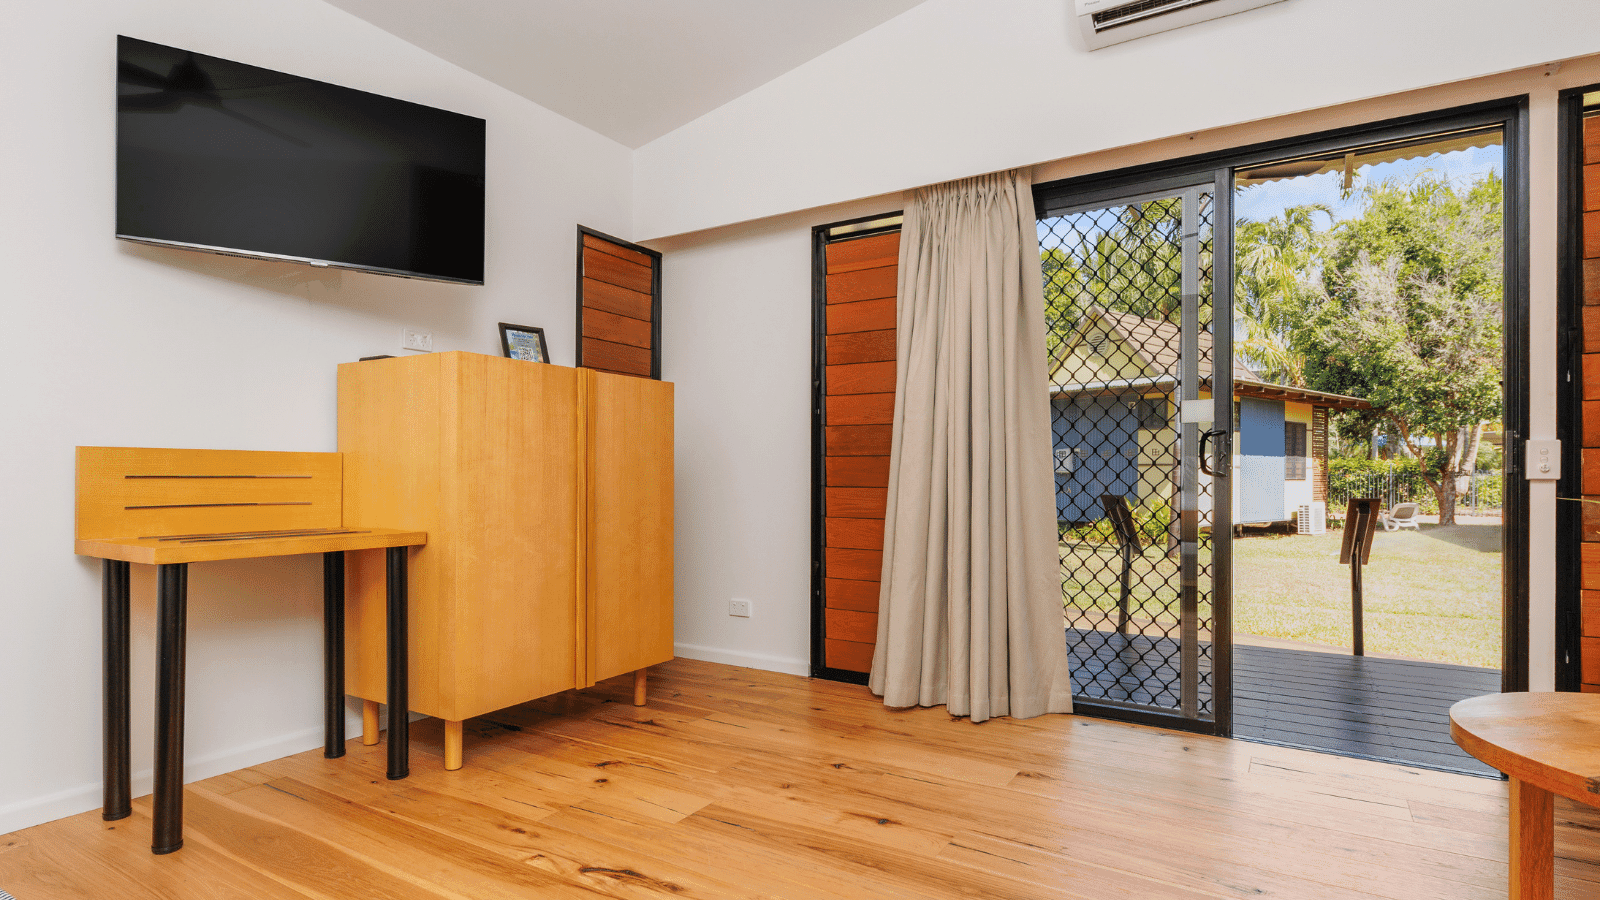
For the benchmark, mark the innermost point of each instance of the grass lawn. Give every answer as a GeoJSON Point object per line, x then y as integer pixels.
{"type": "Point", "coordinates": [1433, 594]}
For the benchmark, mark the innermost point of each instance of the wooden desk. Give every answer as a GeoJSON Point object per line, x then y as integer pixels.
{"type": "Point", "coordinates": [1548, 744]}
{"type": "Point", "coordinates": [203, 505]}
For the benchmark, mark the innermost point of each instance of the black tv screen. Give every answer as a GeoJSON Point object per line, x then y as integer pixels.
{"type": "Point", "coordinates": [220, 156]}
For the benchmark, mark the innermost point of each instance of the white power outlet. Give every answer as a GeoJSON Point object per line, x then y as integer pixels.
{"type": "Point", "coordinates": [737, 607]}
{"type": "Point", "coordinates": [412, 339]}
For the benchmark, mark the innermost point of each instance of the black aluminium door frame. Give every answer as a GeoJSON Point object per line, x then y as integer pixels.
{"type": "Point", "coordinates": [1133, 187]}
{"type": "Point", "coordinates": [1511, 114]}
{"type": "Point", "coordinates": [1569, 389]}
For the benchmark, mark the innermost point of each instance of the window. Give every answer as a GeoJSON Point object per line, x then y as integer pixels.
{"type": "Point", "coordinates": [1294, 451]}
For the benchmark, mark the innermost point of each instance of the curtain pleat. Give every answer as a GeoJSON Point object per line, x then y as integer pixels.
{"type": "Point", "coordinates": [969, 613]}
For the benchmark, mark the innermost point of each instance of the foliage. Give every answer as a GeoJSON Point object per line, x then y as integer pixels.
{"type": "Point", "coordinates": [1400, 305]}
{"type": "Point", "coordinates": [1152, 518]}
{"type": "Point", "coordinates": [1402, 481]}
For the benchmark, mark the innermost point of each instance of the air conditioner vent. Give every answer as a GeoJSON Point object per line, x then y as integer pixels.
{"type": "Point", "coordinates": [1144, 9]}
{"type": "Point", "coordinates": [1106, 22]}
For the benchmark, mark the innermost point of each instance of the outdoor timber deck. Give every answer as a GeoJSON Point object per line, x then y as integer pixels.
{"type": "Point", "coordinates": [1368, 707]}
{"type": "Point", "coordinates": [1389, 709]}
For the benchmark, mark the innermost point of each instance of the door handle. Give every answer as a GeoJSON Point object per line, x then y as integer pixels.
{"type": "Point", "coordinates": [1221, 434]}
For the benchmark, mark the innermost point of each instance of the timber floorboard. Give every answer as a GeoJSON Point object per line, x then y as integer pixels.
{"type": "Point", "coordinates": [738, 783]}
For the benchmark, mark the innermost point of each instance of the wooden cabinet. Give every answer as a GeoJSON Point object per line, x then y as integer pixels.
{"type": "Point", "coordinates": [546, 493]}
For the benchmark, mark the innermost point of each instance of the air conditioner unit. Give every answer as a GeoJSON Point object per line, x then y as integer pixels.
{"type": "Point", "coordinates": [1313, 518]}
{"type": "Point", "coordinates": [1107, 22]}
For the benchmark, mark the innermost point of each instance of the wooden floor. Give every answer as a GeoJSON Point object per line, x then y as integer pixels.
{"type": "Point", "coordinates": [735, 783]}
{"type": "Point", "coordinates": [1390, 709]}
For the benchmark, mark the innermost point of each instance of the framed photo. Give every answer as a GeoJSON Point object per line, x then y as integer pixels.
{"type": "Point", "coordinates": [524, 342]}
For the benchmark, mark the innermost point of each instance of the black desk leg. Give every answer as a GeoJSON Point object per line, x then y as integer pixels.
{"type": "Point", "coordinates": [172, 599]}
{"type": "Point", "coordinates": [119, 792]}
{"type": "Point", "coordinates": [399, 703]}
{"type": "Point", "coordinates": [333, 654]}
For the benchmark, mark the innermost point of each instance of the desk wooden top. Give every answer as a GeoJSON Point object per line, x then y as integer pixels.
{"type": "Point", "coordinates": [1548, 740]}
{"type": "Point", "coordinates": [247, 545]}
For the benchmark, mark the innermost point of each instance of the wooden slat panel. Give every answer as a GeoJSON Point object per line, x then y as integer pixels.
{"type": "Point", "coordinates": [873, 440]}
{"type": "Point", "coordinates": [848, 655]}
{"type": "Point", "coordinates": [613, 299]}
{"type": "Point", "coordinates": [868, 315]}
{"type": "Point", "coordinates": [1589, 563]}
{"type": "Point", "coordinates": [1591, 472]}
{"type": "Point", "coordinates": [861, 346]}
{"type": "Point", "coordinates": [1591, 688]}
{"type": "Point", "coordinates": [1591, 375]}
{"type": "Point", "coordinates": [856, 565]}
{"type": "Point", "coordinates": [864, 253]}
{"type": "Point", "coordinates": [1591, 234]}
{"type": "Point", "coordinates": [861, 409]}
{"type": "Point", "coordinates": [1591, 660]}
{"type": "Point", "coordinates": [616, 357]}
{"type": "Point", "coordinates": [861, 378]}
{"type": "Point", "coordinates": [864, 284]}
{"type": "Point", "coordinates": [617, 271]}
{"type": "Point", "coordinates": [1591, 139]}
{"type": "Point", "coordinates": [1591, 423]}
{"type": "Point", "coordinates": [861, 534]}
{"type": "Point", "coordinates": [870, 503]}
{"type": "Point", "coordinates": [1591, 614]}
{"type": "Point", "coordinates": [1591, 281]}
{"type": "Point", "coordinates": [1591, 187]}
{"type": "Point", "coordinates": [839, 593]}
{"type": "Point", "coordinates": [617, 250]}
{"type": "Point", "coordinates": [849, 625]}
{"type": "Point", "coordinates": [104, 493]}
{"type": "Point", "coordinates": [858, 471]}
{"type": "Point", "coordinates": [616, 329]}
{"type": "Point", "coordinates": [1591, 519]}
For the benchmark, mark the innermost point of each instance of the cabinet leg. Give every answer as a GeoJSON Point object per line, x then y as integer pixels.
{"type": "Point", "coordinates": [638, 687]}
{"type": "Point", "coordinates": [369, 723]}
{"type": "Point", "coordinates": [452, 745]}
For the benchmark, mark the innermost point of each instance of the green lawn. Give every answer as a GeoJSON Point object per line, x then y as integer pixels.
{"type": "Point", "coordinates": [1433, 594]}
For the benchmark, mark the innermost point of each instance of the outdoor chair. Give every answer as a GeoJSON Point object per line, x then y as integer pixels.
{"type": "Point", "coordinates": [1404, 515]}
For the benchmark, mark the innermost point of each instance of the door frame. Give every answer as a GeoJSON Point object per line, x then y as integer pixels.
{"type": "Point", "coordinates": [1511, 114]}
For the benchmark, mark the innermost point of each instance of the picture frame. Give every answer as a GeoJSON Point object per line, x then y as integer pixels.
{"type": "Point", "coordinates": [524, 342]}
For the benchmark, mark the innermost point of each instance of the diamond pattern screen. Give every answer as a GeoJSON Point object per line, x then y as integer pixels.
{"type": "Point", "coordinates": [1114, 284]}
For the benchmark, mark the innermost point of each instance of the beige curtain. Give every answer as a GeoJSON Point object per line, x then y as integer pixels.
{"type": "Point", "coordinates": [969, 614]}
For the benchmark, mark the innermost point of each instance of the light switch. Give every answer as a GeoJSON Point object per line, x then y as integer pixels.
{"type": "Point", "coordinates": [1544, 460]}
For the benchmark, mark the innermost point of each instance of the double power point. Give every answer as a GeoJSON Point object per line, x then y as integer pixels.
{"type": "Point", "coordinates": [737, 607]}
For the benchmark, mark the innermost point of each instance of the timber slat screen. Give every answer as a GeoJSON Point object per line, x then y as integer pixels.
{"type": "Point", "coordinates": [1590, 558]}
{"type": "Point", "coordinates": [857, 415]}
{"type": "Point", "coordinates": [619, 306]}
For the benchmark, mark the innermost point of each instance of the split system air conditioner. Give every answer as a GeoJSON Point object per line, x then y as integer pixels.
{"type": "Point", "coordinates": [1106, 22]}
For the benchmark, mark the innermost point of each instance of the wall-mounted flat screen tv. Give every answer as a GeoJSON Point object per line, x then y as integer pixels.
{"type": "Point", "coordinates": [220, 156]}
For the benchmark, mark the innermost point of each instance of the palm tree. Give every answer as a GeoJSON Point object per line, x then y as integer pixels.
{"type": "Point", "coordinates": [1277, 263]}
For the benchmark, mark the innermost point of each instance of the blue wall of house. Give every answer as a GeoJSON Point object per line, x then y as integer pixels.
{"type": "Point", "coordinates": [1097, 452]}
{"type": "Point", "coordinates": [1260, 460]}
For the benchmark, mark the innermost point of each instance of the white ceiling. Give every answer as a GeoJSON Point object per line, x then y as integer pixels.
{"type": "Point", "coordinates": [632, 70]}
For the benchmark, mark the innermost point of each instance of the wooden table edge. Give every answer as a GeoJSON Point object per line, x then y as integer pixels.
{"type": "Point", "coordinates": [143, 551]}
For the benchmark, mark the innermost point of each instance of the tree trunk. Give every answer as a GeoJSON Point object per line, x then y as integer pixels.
{"type": "Point", "coordinates": [1446, 492]}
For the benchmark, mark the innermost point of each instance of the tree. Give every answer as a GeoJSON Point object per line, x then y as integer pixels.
{"type": "Point", "coordinates": [1277, 263]}
{"type": "Point", "coordinates": [1411, 320]}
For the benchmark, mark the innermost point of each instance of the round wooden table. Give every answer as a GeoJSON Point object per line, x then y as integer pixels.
{"type": "Point", "coordinates": [1548, 744]}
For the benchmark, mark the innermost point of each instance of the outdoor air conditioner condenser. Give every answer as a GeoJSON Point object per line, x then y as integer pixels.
{"type": "Point", "coordinates": [1107, 22]}
{"type": "Point", "coordinates": [1313, 518]}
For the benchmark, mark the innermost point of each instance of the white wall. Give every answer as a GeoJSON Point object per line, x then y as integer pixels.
{"type": "Point", "coordinates": [119, 344]}
{"type": "Point", "coordinates": [954, 88]}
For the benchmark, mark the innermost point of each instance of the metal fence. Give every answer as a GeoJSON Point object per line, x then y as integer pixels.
{"type": "Point", "coordinates": [1483, 496]}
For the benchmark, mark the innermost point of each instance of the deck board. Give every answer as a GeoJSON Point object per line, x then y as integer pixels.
{"type": "Point", "coordinates": [1368, 707]}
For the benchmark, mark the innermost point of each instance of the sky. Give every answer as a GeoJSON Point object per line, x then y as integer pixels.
{"type": "Point", "coordinates": [1263, 201]}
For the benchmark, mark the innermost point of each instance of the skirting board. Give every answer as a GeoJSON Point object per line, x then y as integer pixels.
{"type": "Point", "coordinates": [748, 660]}
{"type": "Point", "coordinates": [39, 810]}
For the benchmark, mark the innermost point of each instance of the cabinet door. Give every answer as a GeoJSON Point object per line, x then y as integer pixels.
{"type": "Point", "coordinates": [629, 551]}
